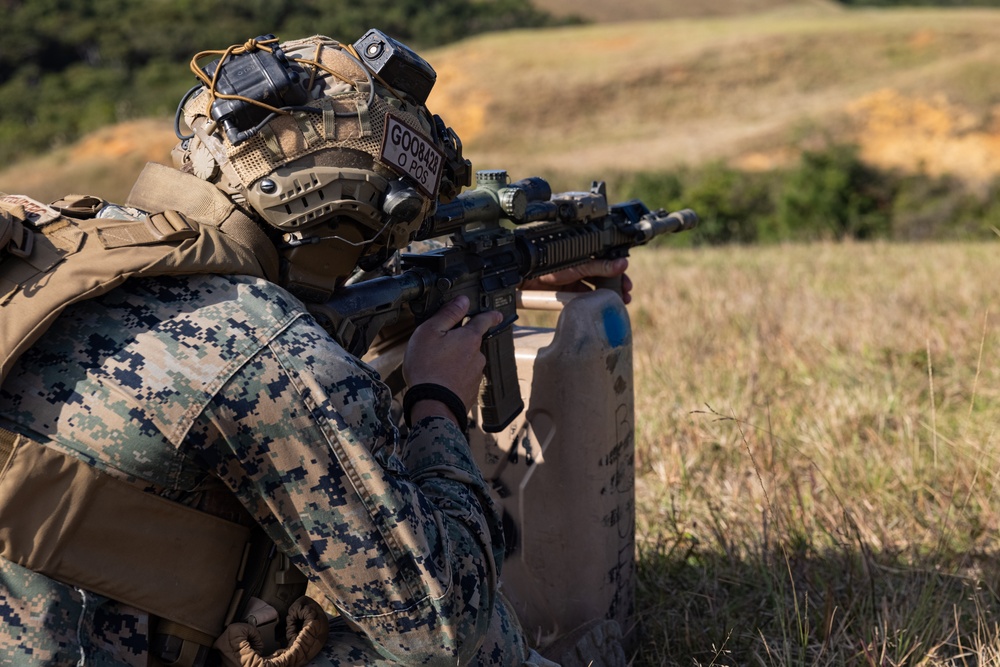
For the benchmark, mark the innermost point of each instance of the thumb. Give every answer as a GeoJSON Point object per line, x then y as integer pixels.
{"type": "Point", "coordinates": [483, 322]}
{"type": "Point", "coordinates": [450, 314]}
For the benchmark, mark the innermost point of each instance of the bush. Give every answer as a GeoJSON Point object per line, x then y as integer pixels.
{"type": "Point", "coordinates": [730, 203]}
{"type": "Point", "coordinates": [830, 194]}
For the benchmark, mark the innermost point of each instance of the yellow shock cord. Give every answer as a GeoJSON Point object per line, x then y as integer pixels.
{"type": "Point", "coordinates": [253, 45]}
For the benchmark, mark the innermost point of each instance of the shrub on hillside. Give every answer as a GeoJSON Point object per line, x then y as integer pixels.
{"type": "Point", "coordinates": [832, 194]}
{"type": "Point", "coordinates": [829, 194]}
{"type": "Point", "coordinates": [730, 203]}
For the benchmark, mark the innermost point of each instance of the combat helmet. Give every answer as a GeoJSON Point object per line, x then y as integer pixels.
{"type": "Point", "coordinates": [329, 146]}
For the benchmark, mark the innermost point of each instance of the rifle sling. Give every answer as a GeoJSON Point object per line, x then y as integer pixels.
{"type": "Point", "coordinates": [64, 519]}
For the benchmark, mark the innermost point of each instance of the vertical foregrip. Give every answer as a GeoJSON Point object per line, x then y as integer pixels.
{"type": "Point", "coordinates": [500, 395]}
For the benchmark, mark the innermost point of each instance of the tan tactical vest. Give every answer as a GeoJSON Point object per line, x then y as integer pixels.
{"type": "Point", "coordinates": [51, 257]}
{"type": "Point", "coordinates": [54, 256]}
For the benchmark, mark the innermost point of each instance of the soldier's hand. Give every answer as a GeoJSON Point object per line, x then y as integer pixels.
{"type": "Point", "coordinates": [441, 353]}
{"type": "Point", "coordinates": [571, 279]}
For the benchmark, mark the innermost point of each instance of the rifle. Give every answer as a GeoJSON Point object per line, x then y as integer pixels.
{"type": "Point", "coordinates": [502, 233]}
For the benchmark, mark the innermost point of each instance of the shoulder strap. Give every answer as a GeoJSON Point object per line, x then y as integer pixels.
{"type": "Point", "coordinates": [160, 188]}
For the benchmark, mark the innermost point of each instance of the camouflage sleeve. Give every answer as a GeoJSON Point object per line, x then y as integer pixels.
{"type": "Point", "coordinates": [455, 484]}
{"type": "Point", "coordinates": [401, 540]}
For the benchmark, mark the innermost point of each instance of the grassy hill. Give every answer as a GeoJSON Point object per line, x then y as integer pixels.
{"type": "Point", "coordinates": [912, 87]}
{"type": "Point", "coordinates": [916, 89]}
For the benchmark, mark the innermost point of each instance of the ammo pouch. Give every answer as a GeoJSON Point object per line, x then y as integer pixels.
{"type": "Point", "coordinates": [67, 520]}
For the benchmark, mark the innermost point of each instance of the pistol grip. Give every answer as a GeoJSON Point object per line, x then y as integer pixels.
{"type": "Point", "coordinates": [500, 394]}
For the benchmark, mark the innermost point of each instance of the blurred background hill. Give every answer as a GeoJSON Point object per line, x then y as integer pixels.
{"type": "Point", "coordinates": [778, 119]}
{"type": "Point", "coordinates": [657, 10]}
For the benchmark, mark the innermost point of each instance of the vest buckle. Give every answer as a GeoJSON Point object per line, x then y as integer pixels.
{"type": "Point", "coordinates": [170, 226]}
{"type": "Point", "coordinates": [15, 239]}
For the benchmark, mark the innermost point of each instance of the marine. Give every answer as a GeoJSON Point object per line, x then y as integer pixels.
{"type": "Point", "coordinates": [184, 449]}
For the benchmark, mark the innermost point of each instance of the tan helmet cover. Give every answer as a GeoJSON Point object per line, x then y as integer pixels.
{"type": "Point", "coordinates": [323, 174]}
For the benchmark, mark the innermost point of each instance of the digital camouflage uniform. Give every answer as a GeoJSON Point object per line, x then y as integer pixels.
{"type": "Point", "coordinates": [170, 383]}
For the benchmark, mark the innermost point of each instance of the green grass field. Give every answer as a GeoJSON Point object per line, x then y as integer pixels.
{"type": "Point", "coordinates": [817, 460]}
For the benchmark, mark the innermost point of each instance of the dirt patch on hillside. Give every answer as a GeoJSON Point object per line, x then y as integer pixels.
{"type": "Point", "coordinates": [933, 135]}
{"type": "Point", "coordinates": [146, 139]}
{"type": "Point", "coordinates": [462, 100]}
{"type": "Point", "coordinates": [104, 163]}
{"type": "Point", "coordinates": [911, 134]}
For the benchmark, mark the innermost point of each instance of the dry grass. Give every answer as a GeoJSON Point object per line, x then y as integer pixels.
{"type": "Point", "coordinates": [654, 95]}
{"type": "Point", "coordinates": [817, 457]}
{"type": "Point", "coordinates": [601, 11]}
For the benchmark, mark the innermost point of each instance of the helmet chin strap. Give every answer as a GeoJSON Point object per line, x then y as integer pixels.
{"type": "Point", "coordinates": [314, 266]}
{"type": "Point", "coordinates": [310, 240]}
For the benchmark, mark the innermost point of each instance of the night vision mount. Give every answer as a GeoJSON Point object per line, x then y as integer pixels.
{"type": "Point", "coordinates": [251, 84]}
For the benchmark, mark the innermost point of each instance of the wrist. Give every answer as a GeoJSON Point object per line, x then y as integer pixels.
{"type": "Point", "coordinates": [431, 408]}
{"type": "Point", "coordinates": [427, 400]}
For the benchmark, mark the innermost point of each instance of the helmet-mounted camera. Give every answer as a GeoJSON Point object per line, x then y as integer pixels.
{"type": "Point", "coordinates": [252, 83]}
